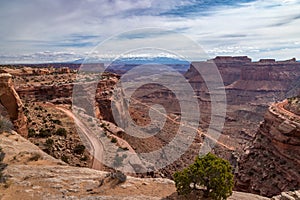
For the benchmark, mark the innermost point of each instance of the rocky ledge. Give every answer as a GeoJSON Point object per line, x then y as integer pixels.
{"type": "Point", "coordinates": [32, 174]}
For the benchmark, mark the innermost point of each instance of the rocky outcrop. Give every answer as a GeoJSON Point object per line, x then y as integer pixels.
{"type": "Point", "coordinates": [271, 163]}
{"type": "Point", "coordinates": [11, 101]}
{"type": "Point", "coordinates": [104, 97]}
{"type": "Point", "coordinates": [246, 81]}
{"type": "Point", "coordinates": [231, 59]}
{"type": "Point", "coordinates": [46, 92]}
{"type": "Point", "coordinates": [292, 195]}
{"type": "Point", "coordinates": [249, 86]}
{"type": "Point", "coordinates": [35, 175]}
{"type": "Point", "coordinates": [32, 174]}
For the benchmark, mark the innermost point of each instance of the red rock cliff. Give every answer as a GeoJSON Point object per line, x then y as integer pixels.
{"type": "Point", "coordinates": [272, 161]}
{"type": "Point", "coordinates": [11, 101]}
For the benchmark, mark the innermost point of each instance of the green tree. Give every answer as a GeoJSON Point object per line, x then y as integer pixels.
{"type": "Point", "coordinates": [212, 174]}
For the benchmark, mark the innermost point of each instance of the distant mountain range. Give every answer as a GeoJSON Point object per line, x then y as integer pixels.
{"type": "Point", "coordinates": [136, 61]}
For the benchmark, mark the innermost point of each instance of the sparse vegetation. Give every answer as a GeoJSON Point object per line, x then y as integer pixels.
{"type": "Point", "coordinates": [79, 149]}
{"type": "Point", "coordinates": [114, 140]}
{"type": "Point", "coordinates": [35, 157]}
{"type": "Point", "coordinates": [125, 148]}
{"type": "Point", "coordinates": [84, 158]}
{"type": "Point", "coordinates": [45, 133]}
{"type": "Point", "coordinates": [61, 132]}
{"type": "Point", "coordinates": [120, 149]}
{"type": "Point", "coordinates": [65, 158]}
{"type": "Point", "coordinates": [211, 174]}
{"type": "Point", "coordinates": [56, 121]}
{"type": "Point", "coordinates": [31, 132]}
{"type": "Point", "coordinates": [103, 125]}
{"type": "Point", "coordinates": [49, 142]}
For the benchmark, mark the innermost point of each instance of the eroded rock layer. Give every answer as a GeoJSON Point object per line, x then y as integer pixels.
{"type": "Point", "coordinates": [271, 163]}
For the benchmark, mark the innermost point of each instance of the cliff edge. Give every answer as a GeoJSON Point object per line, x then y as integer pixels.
{"type": "Point", "coordinates": [271, 163]}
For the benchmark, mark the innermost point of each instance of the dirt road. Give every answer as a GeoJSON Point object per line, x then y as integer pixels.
{"type": "Point", "coordinates": [95, 143]}
{"type": "Point", "coordinates": [188, 126]}
{"type": "Point", "coordinates": [280, 107]}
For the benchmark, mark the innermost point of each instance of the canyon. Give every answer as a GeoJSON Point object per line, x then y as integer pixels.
{"type": "Point", "coordinates": [260, 138]}
{"type": "Point", "coordinates": [273, 155]}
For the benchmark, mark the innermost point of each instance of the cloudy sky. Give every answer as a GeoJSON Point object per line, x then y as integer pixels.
{"type": "Point", "coordinates": [57, 30]}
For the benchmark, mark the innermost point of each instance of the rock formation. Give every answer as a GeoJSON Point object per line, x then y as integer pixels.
{"type": "Point", "coordinates": [248, 81]}
{"type": "Point", "coordinates": [46, 92]}
{"type": "Point", "coordinates": [11, 101]}
{"type": "Point", "coordinates": [250, 87]}
{"type": "Point", "coordinates": [271, 163]}
{"type": "Point", "coordinates": [263, 81]}
{"type": "Point", "coordinates": [32, 174]}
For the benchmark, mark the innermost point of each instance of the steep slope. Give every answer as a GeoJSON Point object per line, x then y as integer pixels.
{"type": "Point", "coordinates": [250, 87]}
{"type": "Point", "coordinates": [271, 163]}
{"type": "Point", "coordinates": [32, 174]}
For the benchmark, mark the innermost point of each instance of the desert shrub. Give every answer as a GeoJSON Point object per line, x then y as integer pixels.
{"type": "Point", "coordinates": [103, 125]}
{"type": "Point", "coordinates": [35, 157]}
{"type": "Point", "coordinates": [79, 149]}
{"type": "Point", "coordinates": [26, 111]}
{"type": "Point", "coordinates": [49, 142]}
{"type": "Point", "coordinates": [212, 173]}
{"type": "Point", "coordinates": [56, 121]}
{"type": "Point", "coordinates": [65, 158]}
{"type": "Point", "coordinates": [61, 132]}
{"type": "Point", "coordinates": [44, 120]}
{"type": "Point", "coordinates": [84, 158]}
{"type": "Point", "coordinates": [45, 133]}
{"type": "Point", "coordinates": [125, 148]}
{"type": "Point", "coordinates": [114, 140]}
{"type": "Point", "coordinates": [31, 132]}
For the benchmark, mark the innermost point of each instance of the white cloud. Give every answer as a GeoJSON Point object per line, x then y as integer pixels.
{"type": "Point", "coordinates": [257, 29]}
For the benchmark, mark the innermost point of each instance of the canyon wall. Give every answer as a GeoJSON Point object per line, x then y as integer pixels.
{"type": "Point", "coordinates": [262, 82]}
{"type": "Point", "coordinates": [271, 163]}
{"type": "Point", "coordinates": [46, 92]}
{"type": "Point", "coordinates": [250, 87]}
{"type": "Point", "coordinates": [249, 82]}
